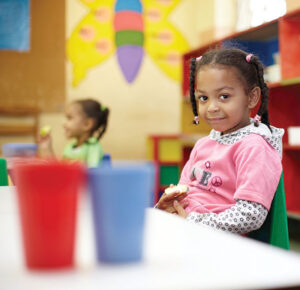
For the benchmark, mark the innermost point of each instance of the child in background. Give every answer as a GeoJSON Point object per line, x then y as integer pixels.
{"type": "Point", "coordinates": [86, 122]}
{"type": "Point", "coordinates": [233, 173]}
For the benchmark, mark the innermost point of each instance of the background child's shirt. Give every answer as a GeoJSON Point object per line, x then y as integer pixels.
{"type": "Point", "coordinates": [242, 165]}
{"type": "Point", "coordinates": [90, 152]}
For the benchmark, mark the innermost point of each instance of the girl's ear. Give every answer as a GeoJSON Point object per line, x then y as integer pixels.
{"type": "Point", "coordinates": [253, 97]}
{"type": "Point", "coordinates": [88, 123]}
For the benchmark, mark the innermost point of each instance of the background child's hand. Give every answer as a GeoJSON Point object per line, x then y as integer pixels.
{"type": "Point", "coordinates": [179, 209]}
{"type": "Point", "coordinates": [45, 142]}
{"type": "Point", "coordinates": [166, 201]}
{"type": "Point", "coordinates": [45, 131]}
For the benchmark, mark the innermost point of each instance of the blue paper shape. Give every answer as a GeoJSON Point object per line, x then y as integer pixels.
{"type": "Point", "coordinates": [14, 25]}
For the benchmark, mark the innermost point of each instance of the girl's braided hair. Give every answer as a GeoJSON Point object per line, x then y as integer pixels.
{"type": "Point", "coordinates": [251, 74]}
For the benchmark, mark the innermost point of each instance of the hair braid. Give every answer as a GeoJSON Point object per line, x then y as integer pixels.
{"type": "Point", "coordinates": [263, 108]}
{"type": "Point", "coordinates": [103, 118]}
{"type": "Point", "coordinates": [192, 86]}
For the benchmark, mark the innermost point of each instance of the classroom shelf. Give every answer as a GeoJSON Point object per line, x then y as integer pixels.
{"type": "Point", "coordinates": [288, 147]}
{"type": "Point", "coordinates": [274, 85]}
{"type": "Point", "coordinates": [289, 31]}
{"type": "Point", "coordinates": [11, 130]}
{"type": "Point", "coordinates": [166, 152]}
{"type": "Point", "coordinates": [293, 215]}
{"type": "Point", "coordinates": [16, 119]}
{"type": "Point", "coordinates": [292, 81]}
{"type": "Point", "coordinates": [169, 174]}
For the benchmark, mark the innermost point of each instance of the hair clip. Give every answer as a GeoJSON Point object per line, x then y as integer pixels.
{"type": "Point", "coordinates": [257, 120]}
{"type": "Point", "coordinates": [248, 57]}
{"type": "Point", "coordinates": [102, 108]}
{"type": "Point", "coordinates": [198, 58]}
{"type": "Point", "coordinates": [196, 120]}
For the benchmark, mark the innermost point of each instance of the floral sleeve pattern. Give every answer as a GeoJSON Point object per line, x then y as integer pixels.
{"type": "Point", "coordinates": [243, 217]}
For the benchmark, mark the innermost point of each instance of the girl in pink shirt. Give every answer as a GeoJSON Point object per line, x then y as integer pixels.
{"type": "Point", "coordinates": [233, 173]}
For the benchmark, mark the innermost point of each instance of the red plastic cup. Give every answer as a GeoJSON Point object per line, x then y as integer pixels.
{"type": "Point", "coordinates": [47, 196]}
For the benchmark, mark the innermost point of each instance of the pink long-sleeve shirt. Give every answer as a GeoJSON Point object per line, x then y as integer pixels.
{"type": "Point", "coordinates": [219, 173]}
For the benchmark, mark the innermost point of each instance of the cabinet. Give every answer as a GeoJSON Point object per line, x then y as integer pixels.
{"type": "Point", "coordinates": [165, 151]}
{"type": "Point", "coordinates": [278, 37]}
{"type": "Point", "coordinates": [18, 121]}
{"type": "Point", "coordinates": [169, 153]}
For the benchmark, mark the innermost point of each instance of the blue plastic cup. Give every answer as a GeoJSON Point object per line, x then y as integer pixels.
{"type": "Point", "coordinates": [120, 194]}
{"type": "Point", "coordinates": [16, 153]}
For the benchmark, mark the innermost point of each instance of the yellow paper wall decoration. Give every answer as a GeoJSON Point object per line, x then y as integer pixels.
{"type": "Point", "coordinates": [127, 28]}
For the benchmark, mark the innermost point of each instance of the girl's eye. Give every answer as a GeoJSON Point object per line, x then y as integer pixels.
{"type": "Point", "coordinates": [224, 97]}
{"type": "Point", "coordinates": [203, 98]}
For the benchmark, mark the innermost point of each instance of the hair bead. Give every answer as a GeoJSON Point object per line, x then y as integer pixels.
{"type": "Point", "coordinates": [196, 120]}
{"type": "Point", "coordinates": [248, 57]}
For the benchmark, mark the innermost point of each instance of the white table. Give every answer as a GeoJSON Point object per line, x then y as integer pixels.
{"type": "Point", "coordinates": [177, 255]}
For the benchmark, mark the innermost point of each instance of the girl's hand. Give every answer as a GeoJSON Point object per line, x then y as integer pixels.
{"type": "Point", "coordinates": [166, 201]}
{"type": "Point", "coordinates": [179, 209]}
{"type": "Point", "coordinates": [45, 145]}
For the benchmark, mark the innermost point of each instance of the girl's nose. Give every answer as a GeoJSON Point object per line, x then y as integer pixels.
{"type": "Point", "coordinates": [213, 107]}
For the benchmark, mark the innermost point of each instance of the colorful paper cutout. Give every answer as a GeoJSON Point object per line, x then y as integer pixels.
{"type": "Point", "coordinates": [131, 27]}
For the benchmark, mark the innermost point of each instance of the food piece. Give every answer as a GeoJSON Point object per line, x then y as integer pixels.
{"type": "Point", "coordinates": [181, 188]}
{"type": "Point", "coordinates": [45, 131]}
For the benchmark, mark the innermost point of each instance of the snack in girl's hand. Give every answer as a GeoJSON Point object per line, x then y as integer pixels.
{"type": "Point", "coordinates": [45, 130]}
{"type": "Point", "coordinates": [180, 188]}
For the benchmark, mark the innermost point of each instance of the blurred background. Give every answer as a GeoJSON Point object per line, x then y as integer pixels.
{"type": "Point", "coordinates": [69, 55]}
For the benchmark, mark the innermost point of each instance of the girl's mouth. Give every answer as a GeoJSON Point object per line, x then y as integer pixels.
{"type": "Point", "coordinates": [215, 119]}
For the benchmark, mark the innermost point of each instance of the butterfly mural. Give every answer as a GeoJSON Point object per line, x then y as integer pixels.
{"type": "Point", "coordinates": [127, 28]}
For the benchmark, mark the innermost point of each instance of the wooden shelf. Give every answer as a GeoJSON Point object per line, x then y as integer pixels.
{"type": "Point", "coordinates": [168, 163]}
{"type": "Point", "coordinates": [284, 83]}
{"type": "Point", "coordinates": [274, 85]}
{"type": "Point", "coordinates": [288, 147]}
{"type": "Point", "coordinates": [15, 126]}
{"type": "Point", "coordinates": [294, 215]}
{"type": "Point", "coordinates": [290, 82]}
{"type": "Point", "coordinates": [19, 111]}
{"type": "Point", "coordinates": [11, 130]}
{"type": "Point", "coordinates": [261, 33]}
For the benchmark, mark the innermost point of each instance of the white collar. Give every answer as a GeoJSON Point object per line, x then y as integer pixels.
{"type": "Point", "coordinates": [274, 138]}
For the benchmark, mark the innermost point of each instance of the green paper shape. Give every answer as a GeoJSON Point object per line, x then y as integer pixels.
{"type": "Point", "coordinates": [129, 37]}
